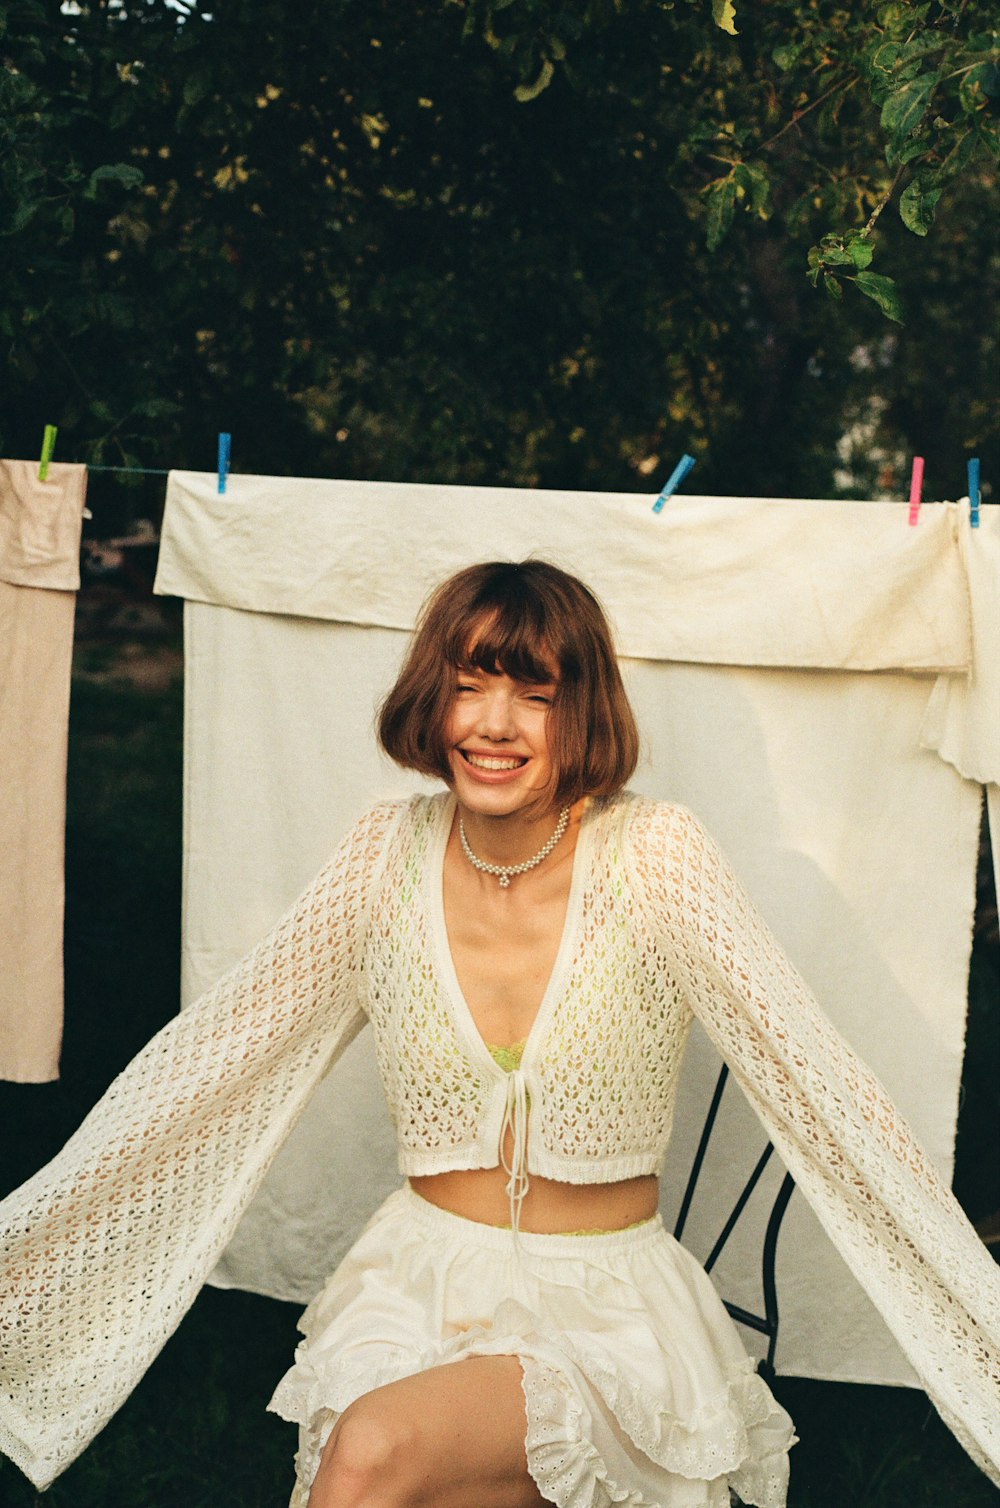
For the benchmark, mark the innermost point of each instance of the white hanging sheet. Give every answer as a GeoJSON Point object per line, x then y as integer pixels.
{"type": "Point", "coordinates": [963, 715]}
{"type": "Point", "coordinates": [858, 844]}
{"type": "Point", "coordinates": [40, 525]}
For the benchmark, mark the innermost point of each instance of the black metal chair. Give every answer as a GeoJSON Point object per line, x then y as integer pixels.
{"type": "Point", "coordinates": [767, 1323]}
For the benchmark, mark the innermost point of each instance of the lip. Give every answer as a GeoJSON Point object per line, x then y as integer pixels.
{"type": "Point", "coordinates": [491, 777]}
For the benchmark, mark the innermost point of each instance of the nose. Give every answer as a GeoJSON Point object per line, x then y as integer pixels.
{"type": "Point", "coordinates": [496, 721]}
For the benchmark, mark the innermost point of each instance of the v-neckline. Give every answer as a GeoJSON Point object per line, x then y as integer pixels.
{"type": "Point", "coordinates": [462, 1017]}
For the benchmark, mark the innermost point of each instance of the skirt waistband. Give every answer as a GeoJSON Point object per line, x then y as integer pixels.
{"type": "Point", "coordinates": [443, 1223]}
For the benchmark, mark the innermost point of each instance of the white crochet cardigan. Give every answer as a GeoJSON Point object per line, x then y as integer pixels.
{"type": "Point", "coordinates": [104, 1249]}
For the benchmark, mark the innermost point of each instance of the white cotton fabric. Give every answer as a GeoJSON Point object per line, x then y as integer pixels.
{"type": "Point", "coordinates": [729, 581]}
{"type": "Point", "coordinates": [636, 1387]}
{"type": "Point", "coordinates": [963, 714]}
{"type": "Point", "coordinates": [859, 846]}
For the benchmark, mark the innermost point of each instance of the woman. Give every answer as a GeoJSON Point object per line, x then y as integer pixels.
{"type": "Point", "coordinates": [514, 1326]}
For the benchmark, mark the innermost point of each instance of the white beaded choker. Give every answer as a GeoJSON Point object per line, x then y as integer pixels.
{"type": "Point", "coordinates": [505, 872]}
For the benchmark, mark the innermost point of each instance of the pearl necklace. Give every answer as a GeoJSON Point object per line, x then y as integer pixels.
{"type": "Point", "coordinates": [505, 872]}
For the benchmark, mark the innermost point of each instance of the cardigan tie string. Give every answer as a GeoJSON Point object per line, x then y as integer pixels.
{"type": "Point", "coordinates": [516, 1122]}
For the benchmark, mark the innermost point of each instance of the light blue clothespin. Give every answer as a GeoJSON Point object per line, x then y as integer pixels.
{"type": "Point", "coordinates": [974, 492]}
{"type": "Point", "coordinates": [225, 448]}
{"type": "Point", "coordinates": [674, 480]}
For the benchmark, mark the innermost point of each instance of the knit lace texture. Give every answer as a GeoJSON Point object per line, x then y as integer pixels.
{"type": "Point", "coordinates": [105, 1248]}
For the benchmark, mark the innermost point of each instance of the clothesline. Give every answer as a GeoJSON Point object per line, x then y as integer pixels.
{"type": "Point", "coordinates": [132, 470]}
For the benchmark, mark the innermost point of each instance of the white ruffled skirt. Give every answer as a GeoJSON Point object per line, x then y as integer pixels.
{"type": "Point", "coordinates": [637, 1388]}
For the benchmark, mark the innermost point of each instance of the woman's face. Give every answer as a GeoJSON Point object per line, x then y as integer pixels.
{"type": "Point", "coordinates": [498, 746]}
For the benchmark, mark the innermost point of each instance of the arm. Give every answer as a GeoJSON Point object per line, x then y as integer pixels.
{"type": "Point", "coordinates": [104, 1249]}
{"type": "Point", "coordinates": [880, 1200]}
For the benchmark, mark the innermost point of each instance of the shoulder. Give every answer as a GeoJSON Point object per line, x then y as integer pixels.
{"type": "Point", "coordinates": [407, 818]}
{"type": "Point", "coordinates": [657, 834]}
{"type": "Point", "coordinates": [645, 819]}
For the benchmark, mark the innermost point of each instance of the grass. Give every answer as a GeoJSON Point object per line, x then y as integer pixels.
{"type": "Point", "coordinates": [195, 1433]}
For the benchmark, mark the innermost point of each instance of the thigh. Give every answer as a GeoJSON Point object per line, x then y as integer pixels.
{"type": "Point", "coordinates": [450, 1437]}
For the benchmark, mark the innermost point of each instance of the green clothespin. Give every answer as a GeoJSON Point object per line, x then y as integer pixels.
{"type": "Point", "coordinates": [48, 450]}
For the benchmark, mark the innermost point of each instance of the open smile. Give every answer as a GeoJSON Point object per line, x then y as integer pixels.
{"type": "Point", "coordinates": [493, 761]}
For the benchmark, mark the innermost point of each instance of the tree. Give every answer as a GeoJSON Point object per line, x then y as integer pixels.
{"type": "Point", "coordinates": [387, 241]}
{"type": "Point", "coordinates": [925, 75]}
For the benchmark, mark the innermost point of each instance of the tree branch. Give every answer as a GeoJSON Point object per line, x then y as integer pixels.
{"type": "Point", "coordinates": [797, 116]}
{"type": "Point", "coordinates": [880, 206]}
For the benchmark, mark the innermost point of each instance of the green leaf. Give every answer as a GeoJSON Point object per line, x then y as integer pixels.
{"type": "Point", "coordinates": [157, 408]}
{"type": "Point", "coordinates": [832, 286]}
{"type": "Point", "coordinates": [832, 253]}
{"type": "Point", "coordinates": [754, 181]}
{"type": "Point", "coordinates": [882, 291]}
{"type": "Point", "coordinates": [721, 207]}
{"type": "Point", "coordinates": [901, 13]}
{"type": "Point", "coordinates": [917, 206]}
{"type": "Point", "coordinates": [23, 214]}
{"type": "Point", "coordinates": [977, 85]}
{"type": "Point", "coordinates": [920, 46]}
{"type": "Point", "coordinates": [196, 86]}
{"type": "Point", "coordinates": [526, 92]}
{"type": "Point", "coordinates": [885, 56]}
{"type": "Point", "coordinates": [787, 55]}
{"type": "Point", "coordinates": [989, 132]}
{"type": "Point", "coordinates": [724, 15]}
{"type": "Point", "coordinates": [905, 108]}
{"type": "Point", "coordinates": [112, 172]}
{"type": "Point", "coordinates": [860, 250]}
{"type": "Point", "coordinates": [916, 145]}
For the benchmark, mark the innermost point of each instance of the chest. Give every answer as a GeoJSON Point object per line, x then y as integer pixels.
{"type": "Point", "coordinates": [503, 959]}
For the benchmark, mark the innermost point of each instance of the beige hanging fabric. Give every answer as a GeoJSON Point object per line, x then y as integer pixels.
{"type": "Point", "coordinates": [40, 524]}
{"type": "Point", "coordinates": [781, 654]}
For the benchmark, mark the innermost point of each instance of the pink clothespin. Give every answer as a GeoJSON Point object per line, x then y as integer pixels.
{"type": "Point", "coordinates": [916, 488]}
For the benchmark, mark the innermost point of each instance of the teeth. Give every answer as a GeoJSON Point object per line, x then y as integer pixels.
{"type": "Point", "coordinates": [490, 762]}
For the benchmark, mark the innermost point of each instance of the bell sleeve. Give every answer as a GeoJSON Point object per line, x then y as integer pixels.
{"type": "Point", "coordinates": [103, 1251]}
{"type": "Point", "coordinates": [887, 1211]}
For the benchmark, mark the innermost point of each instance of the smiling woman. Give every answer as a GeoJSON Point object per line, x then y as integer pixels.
{"type": "Point", "coordinates": [530, 947]}
{"type": "Point", "coordinates": [544, 630]}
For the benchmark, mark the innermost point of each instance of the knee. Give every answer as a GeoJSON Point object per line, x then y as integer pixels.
{"type": "Point", "coordinates": [368, 1461]}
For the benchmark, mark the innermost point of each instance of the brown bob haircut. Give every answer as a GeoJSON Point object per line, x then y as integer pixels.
{"type": "Point", "coordinates": [526, 620]}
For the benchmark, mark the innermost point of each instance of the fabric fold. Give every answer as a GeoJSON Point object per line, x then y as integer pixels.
{"type": "Point", "coordinates": [962, 723]}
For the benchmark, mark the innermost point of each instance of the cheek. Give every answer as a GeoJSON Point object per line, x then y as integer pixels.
{"type": "Point", "coordinates": [454, 727]}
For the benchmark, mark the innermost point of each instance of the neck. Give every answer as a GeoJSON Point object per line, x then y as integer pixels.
{"type": "Point", "coordinates": [511, 839]}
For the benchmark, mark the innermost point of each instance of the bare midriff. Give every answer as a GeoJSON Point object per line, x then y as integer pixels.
{"type": "Point", "coordinates": [550, 1207]}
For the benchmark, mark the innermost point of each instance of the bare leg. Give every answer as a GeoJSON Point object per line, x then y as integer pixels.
{"type": "Point", "coordinates": [451, 1437]}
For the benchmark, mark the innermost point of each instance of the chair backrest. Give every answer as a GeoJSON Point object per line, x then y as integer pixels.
{"type": "Point", "coordinates": [766, 1323]}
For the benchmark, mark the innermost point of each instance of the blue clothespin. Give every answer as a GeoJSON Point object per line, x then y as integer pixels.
{"type": "Point", "coordinates": [48, 451]}
{"type": "Point", "coordinates": [225, 449]}
{"type": "Point", "coordinates": [974, 492]}
{"type": "Point", "coordinates": [674, 480]}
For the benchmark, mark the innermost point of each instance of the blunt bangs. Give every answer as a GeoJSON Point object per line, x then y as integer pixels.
{"type": "Point", "coordinates": [535, 623]}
